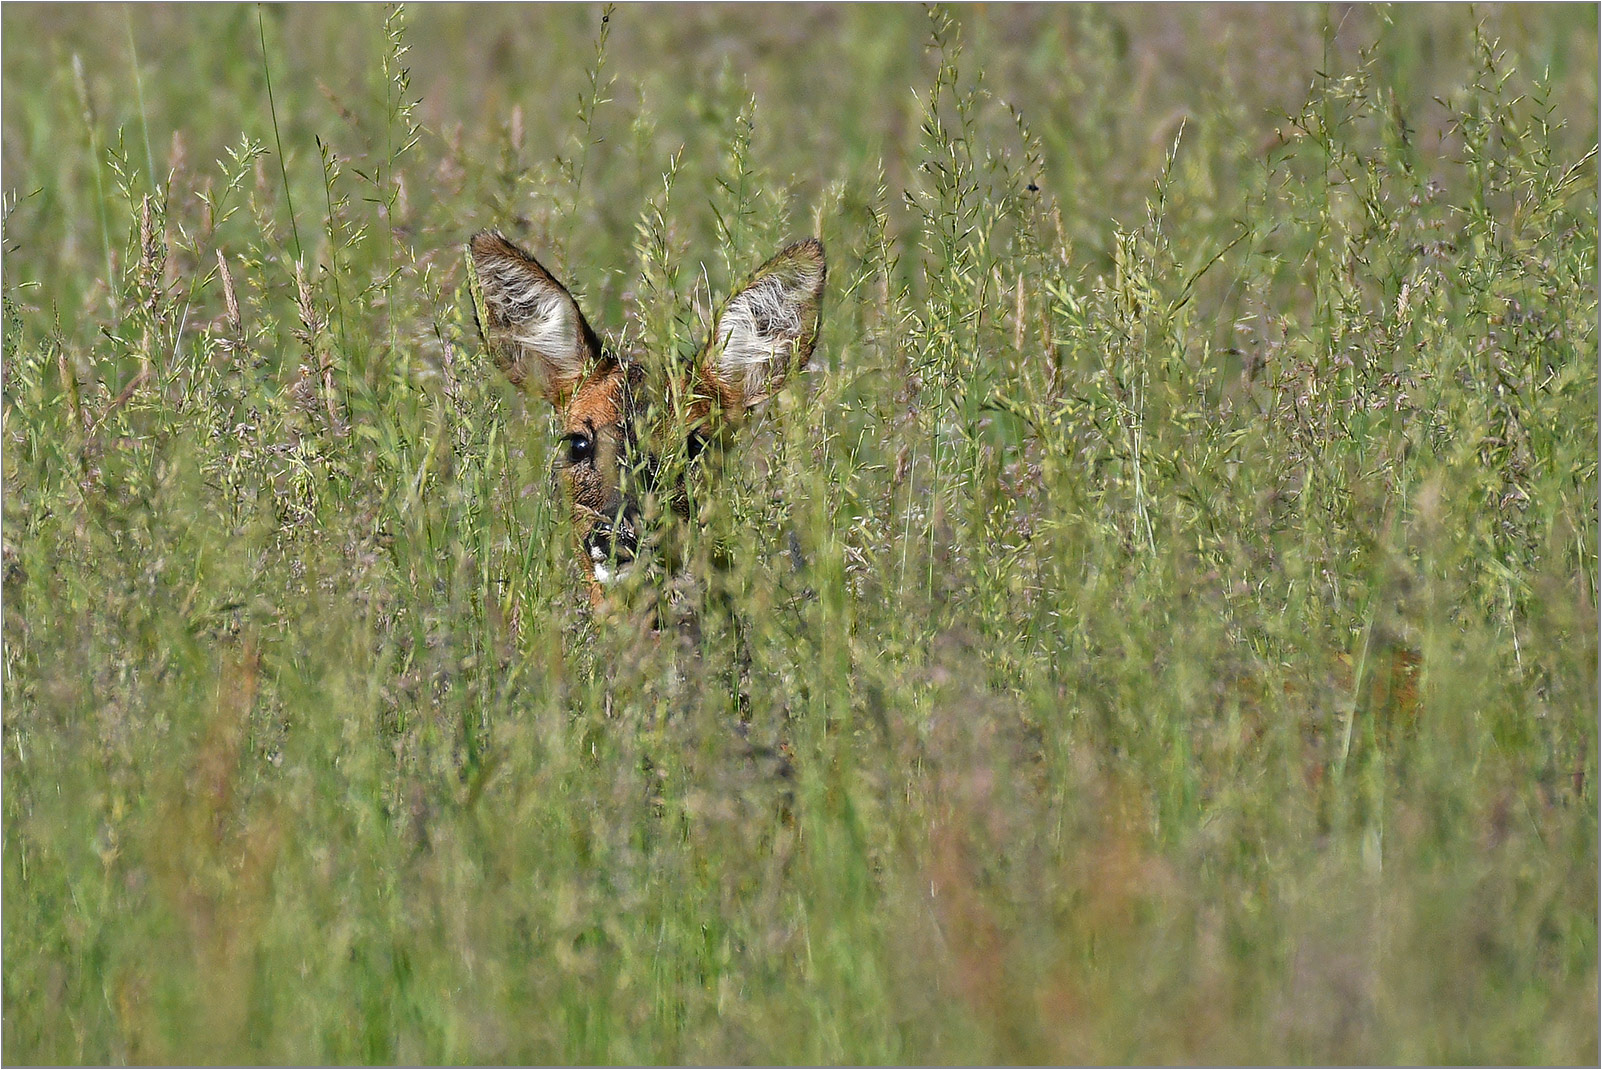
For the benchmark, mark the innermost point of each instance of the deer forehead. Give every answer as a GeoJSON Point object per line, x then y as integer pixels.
{"type": "Point", "coordinates": [601, 402]}
{"type": "Point", "coordinates": [612, 399]}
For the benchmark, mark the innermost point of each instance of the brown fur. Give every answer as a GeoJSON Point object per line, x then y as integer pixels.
{"type": "Point", "coordinates": [607, 458]}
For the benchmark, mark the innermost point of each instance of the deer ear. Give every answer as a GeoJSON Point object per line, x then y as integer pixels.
{"type": "Point", "coordinates": [768, 327]}
{"type": "Point", "coordinates": [535, 330]}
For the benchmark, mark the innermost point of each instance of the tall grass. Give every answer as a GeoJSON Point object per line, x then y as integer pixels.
{"type": "Point", "coordinates": [1162, 627]}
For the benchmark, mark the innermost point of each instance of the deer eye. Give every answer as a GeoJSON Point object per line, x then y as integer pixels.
{"type": "Point", "coordinates": [580, 448]}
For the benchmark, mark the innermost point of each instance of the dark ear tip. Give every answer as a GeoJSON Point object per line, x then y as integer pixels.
{"type": "Point", "coordinates": [492, 245]}
{"type": "Point", "coordinates": [489, 243]}
{"type": "Point", "coordinates": [808, 246]}
{"type": "Point", "coordinates": [807, 249]}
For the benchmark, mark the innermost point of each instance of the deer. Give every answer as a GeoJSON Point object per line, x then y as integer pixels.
{"type": "Point", "coordinates": [630, 437]}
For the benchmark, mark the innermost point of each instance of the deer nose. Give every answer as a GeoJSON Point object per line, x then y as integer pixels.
{"type": "Point", "coordinates": [608, 541]}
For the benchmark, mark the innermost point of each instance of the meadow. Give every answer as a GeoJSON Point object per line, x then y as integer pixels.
{"type": "Point", "coordinates": [1161, 627]}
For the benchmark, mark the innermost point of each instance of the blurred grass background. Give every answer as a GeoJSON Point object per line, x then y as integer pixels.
{"type": "Point", "coordinates": [1190, 656]}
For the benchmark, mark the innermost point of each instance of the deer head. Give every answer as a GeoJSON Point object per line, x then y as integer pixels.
{"type": "Point", "coordinates": [628, 437]}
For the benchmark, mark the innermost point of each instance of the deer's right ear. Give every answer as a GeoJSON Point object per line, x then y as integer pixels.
{"type": "Point", "coordinates": [535, 330]}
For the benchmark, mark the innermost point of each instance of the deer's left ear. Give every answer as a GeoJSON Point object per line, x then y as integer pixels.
{"type": "Point", "coordinates": [767, 328]}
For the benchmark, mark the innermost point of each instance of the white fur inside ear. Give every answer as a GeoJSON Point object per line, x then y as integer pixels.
{"type": "Point", "coordinates": [538, 317]}
{"type": "Point", "coordinates": [761, 323]}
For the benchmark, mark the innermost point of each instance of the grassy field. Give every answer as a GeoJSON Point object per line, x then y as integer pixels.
{"type": "Point", "coordinates": [1175, 587]}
